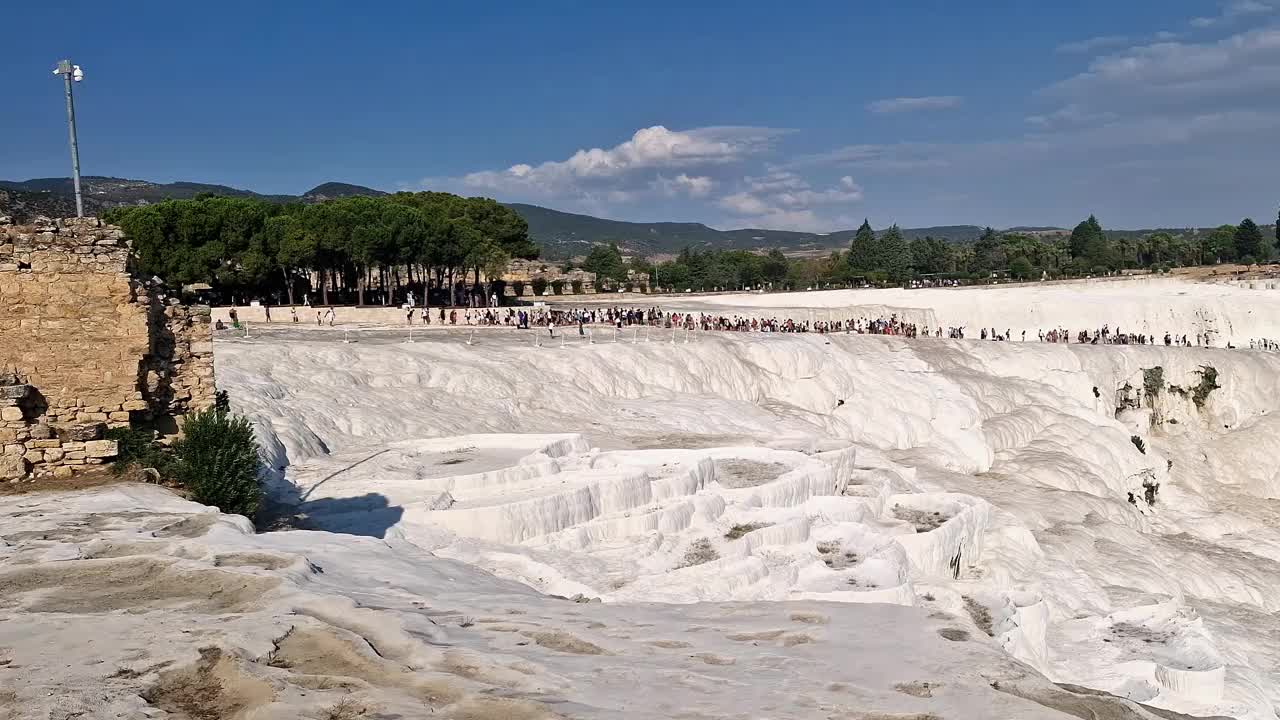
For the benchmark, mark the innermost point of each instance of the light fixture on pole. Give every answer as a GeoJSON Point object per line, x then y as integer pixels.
{"type": "Point", "coordinates": [72, 73]}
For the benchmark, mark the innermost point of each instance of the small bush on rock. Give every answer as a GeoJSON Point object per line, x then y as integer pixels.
{"type": "Point", "coordinates": [137, 449]}
{"type": "Point", "coordinates": [1138, 443]}
{"type": "Point", "coordinates": [1152, 382]}
{"type": "Point", "coordinates": [700, 551]}
{"type": "Point", "coordinates": [1208, 383]}
{"type": "Point", "coordinates": [217, 461]}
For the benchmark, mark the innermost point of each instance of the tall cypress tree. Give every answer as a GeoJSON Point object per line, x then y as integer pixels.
{"type": "Point", "coordinates": [1089, 245]}
{"type": "Point", "coordinates": [1248, 240]}
{"type": "Point", "coordinates": [895, 255]}
{"type": "Point", "coordinates": [863, 253]}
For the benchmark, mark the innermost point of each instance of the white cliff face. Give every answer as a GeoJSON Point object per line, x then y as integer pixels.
{"type": "Point", "coordinates": [992, 481]}
{"type": "Point", "coordinates": [1234, 312]}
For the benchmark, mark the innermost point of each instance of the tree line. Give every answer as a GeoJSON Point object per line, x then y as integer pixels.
{"type": "Point", "coordinates": [340, 249]}
{"type": "Point", "coordinates": [441, 245]}
{"type": "Point", "coordinates": [888, 258]}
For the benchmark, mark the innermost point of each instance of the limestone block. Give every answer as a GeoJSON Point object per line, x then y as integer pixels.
{"type": "Point", "coordinates": [34, 456]}
{"type": "Point", "coordinates": [13, 467]}
{"type": "Point", "coordinates": [79, 432]}
{"type": "Point", "coordinates": [63, 472]}
{"type": "Point", "coordinates": [134, 406]}
{"type": "Point", "coordinates": [15, 449]}
{"type": "Point", "coordinates": [74, 455]}
{"type": "Point", "coordinates": [10, 413]}
{"type": "Point", "coordinates": [41, 431]}
{"type": "Point", "coordinates": [14, 392]}
{"type": "Point", "coordinates": [94, 461]}
{"type": "Point", "coordinates": [68, 461]}
{"type": "Point", "coordinates": [53, 455]}
{"type": "Point", "coordinates": [44, 444]}
{"type": "Point", "coordinates": [97, 449]}
{"type": "Point", "coordinates": [118, 416]}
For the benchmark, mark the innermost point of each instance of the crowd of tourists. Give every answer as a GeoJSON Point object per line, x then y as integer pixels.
{"type": "Point", "coordinates": [579, 319]}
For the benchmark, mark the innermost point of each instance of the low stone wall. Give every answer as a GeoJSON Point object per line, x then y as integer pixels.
{"type": "Point", "coordinates": [85, 346]}
{"type": "Point", "coordinates": [526, 271]}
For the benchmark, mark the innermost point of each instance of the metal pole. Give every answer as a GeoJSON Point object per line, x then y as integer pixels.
{"type": "Point", "coordinates": [65, 69]}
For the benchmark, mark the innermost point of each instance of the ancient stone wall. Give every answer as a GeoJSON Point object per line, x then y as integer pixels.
{"type": "Point", "coordinates": [85, 346]}
{"type": "Point", "coordinates": [526, 271]}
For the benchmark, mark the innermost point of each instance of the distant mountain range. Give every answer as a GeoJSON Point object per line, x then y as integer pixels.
{"type": "Point", "coordinates": [561, 234]}
{"type": "Point", "coordinates": [100, 192]}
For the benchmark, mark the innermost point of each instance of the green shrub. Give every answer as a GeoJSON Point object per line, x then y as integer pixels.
{"type": "Point", "coordinates": [136, 448]}
{"type": "Point", "coordinates": [1208, 383]}
{"type": "Point", "coordinates": [577, 287]}
{"type": "Point", "coordinates": [557, 287]}
{"type": "Point", "coordinates": [539, 286]}
{"type": "Point", "coordinates": [518, 287]}
{"type": "Point", "coordinates": [1152, 382]}
{"type": "Point", "coordinates": [738, 531]}
{"type": "Point", "coordinates": [217, 461]}
{"type": "Point", "coordinates": [1138, 443]}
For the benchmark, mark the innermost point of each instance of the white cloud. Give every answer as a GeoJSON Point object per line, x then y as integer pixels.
{"type": "Point", "coordinates": [1234, 9]}
{"type": "Point", "coordinates": [1072, 114]}
{"type": "Point", "coordinates": [893, 157]}
{"type": "Point", "coordinates": [783, 199]}
{"type": "Point", "coordinates": [911, 104]}
{"type": "Point", "coordinates": [630, 164]}
{"type": "Point", "coordinates": [1091, 44]}
{"type": "Point", "coordinates": [697, 186]}
{"type": "Point", "coordinates": [1242, 67]}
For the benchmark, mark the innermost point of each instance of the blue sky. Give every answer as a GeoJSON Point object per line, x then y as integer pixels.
{"type": "Point", "coordinates": [798, 115]}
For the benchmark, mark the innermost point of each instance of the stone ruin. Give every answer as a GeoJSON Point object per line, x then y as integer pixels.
{"type": "Point", "coordinates": [86, 346]}
{"type": "Point", "coordinates": [526, 271]}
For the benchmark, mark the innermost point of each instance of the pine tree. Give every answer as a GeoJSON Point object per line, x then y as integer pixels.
{"type": "Point", "coordinates": [1248, 241]}
{"type": "Point", "coordinates": [1089, 245]}
{"type": "Point", "coordinates": [863, 252]}
{"type": "Point", "coordinates": [895, 255]}
{"type": "Point", "coordinates": [987, 251]}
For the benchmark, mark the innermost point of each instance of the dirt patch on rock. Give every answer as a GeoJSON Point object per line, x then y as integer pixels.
{"type": "Point", "coordinates": [737, 474]}
{"type": "Point", "coordinates": [921, 520]}
{"type": "Point", "coordinates": [136, 584]}
{"type": "Point", "coordinates": [916, 689]}
{"type": "Point", "coordinates": [193, 526]}
{"type": "Point", "coordinates": [500, 709]}
{"type": "Point", "coordinates": [265, 561]}
{"type": "Point", "coordinates": [214, 688]}
{"type": "Point", "coordinates": [564, 642]}
{"type": "Point", "coordinates": [124, 548]}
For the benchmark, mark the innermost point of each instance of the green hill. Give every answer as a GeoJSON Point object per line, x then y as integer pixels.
{"type": "Point", "coordinates": [563, 234]}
